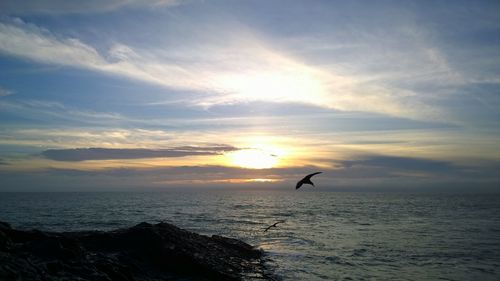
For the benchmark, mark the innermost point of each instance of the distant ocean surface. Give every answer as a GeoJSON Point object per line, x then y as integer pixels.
{"type": "Point", "coordinates": [326, 236]}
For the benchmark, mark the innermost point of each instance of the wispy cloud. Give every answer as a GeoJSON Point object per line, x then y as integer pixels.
{"type": "Point", "coordinates": [30, 41]}
{"type": "Point", "coordinates": [92, 137]}
{"type": "Point", "coordinates": [245, 69]}
{"type": "Point", "coordinates": [5, 92]}
{"type": "Point", "coordinates": [61, 6]}
{"type": "Point", "coordinates": [39, 110]}
{"type": "Point", "coordinates": [83, 154]}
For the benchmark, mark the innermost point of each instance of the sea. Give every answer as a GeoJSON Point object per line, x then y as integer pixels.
{"type": "Point", "coordinates": [324, 236]}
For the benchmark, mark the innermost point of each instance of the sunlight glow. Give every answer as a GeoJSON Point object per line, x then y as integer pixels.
{"type": "Point", "coordinates": [254, 159]}
{"type": "Point", "coordinates": [277, 86]}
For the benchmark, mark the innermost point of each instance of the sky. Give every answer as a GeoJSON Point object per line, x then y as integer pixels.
{"type": "Point", "coordinates": [140, 95]}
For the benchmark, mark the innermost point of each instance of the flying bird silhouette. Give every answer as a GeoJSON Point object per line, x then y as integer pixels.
{"type": "Point", "coordinates": [273, 225]}
{"type": "Point", "coordinates": [306, 180]}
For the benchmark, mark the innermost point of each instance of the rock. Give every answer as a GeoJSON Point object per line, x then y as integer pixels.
{"type": "Point", "coordinates": [144, 252]}
{"type": "Point", "coordinates": [4, 225]}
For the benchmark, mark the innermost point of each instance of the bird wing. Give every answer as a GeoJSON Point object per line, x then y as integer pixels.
{"type": "Point", "coordinates": [308, 177]}
{"type": "Point", "coordinates": [299, 184]}
{"type": "Point", "coordinates": [273, 225]}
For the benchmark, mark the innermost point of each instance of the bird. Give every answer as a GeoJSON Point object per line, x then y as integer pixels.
{"type": "Point", "coordinates": [273, 225]}
{"type": "Point", "coordinates": [306, 180]}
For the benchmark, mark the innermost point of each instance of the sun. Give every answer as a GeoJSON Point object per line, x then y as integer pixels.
{"type": "Point", "coordinates": [254, 159]}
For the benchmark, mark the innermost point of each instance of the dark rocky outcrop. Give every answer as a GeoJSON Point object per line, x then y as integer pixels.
{"type": "Point", "coordinates": [144, 252]}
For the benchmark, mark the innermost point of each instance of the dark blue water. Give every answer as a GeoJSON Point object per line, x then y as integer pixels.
{"type": "Point", "coordinates": [326, 236]}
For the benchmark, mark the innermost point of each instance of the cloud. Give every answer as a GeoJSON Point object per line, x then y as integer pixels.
{"type": "Point", "coordinates": [83, 154]}
{"type": "Point", "coordinates": [54, 179]}
{"type": "Point", "coordinates": [62, 6]}
{"type": "Point", "coordinates": [266, 114]}
{"type": "Point", "coordinates": [400, 163]}
{"type": "Point", "coordinates": [38, 44]}
{"type": "Point", "coordinates": [5, 92]}
{"type": "Point", "coordinates": [67, 138]}
{"type": "Point", "coordinates": [28, 40]}
{"type": "Point", "coordinates": [42, 111]}
{"type": "Point", "coordinates": [245, 68]}
{"type": "Point", "coordinates": [201, 175]}
{"type": "Point", "coordinates": [365, 178]}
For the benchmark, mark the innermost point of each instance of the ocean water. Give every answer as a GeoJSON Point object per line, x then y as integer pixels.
{"type": "Point", "coordinates": [325, 236]}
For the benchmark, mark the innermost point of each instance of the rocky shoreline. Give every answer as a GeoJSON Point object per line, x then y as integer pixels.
{"type": "Point", "coordinates": [143, 252]}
